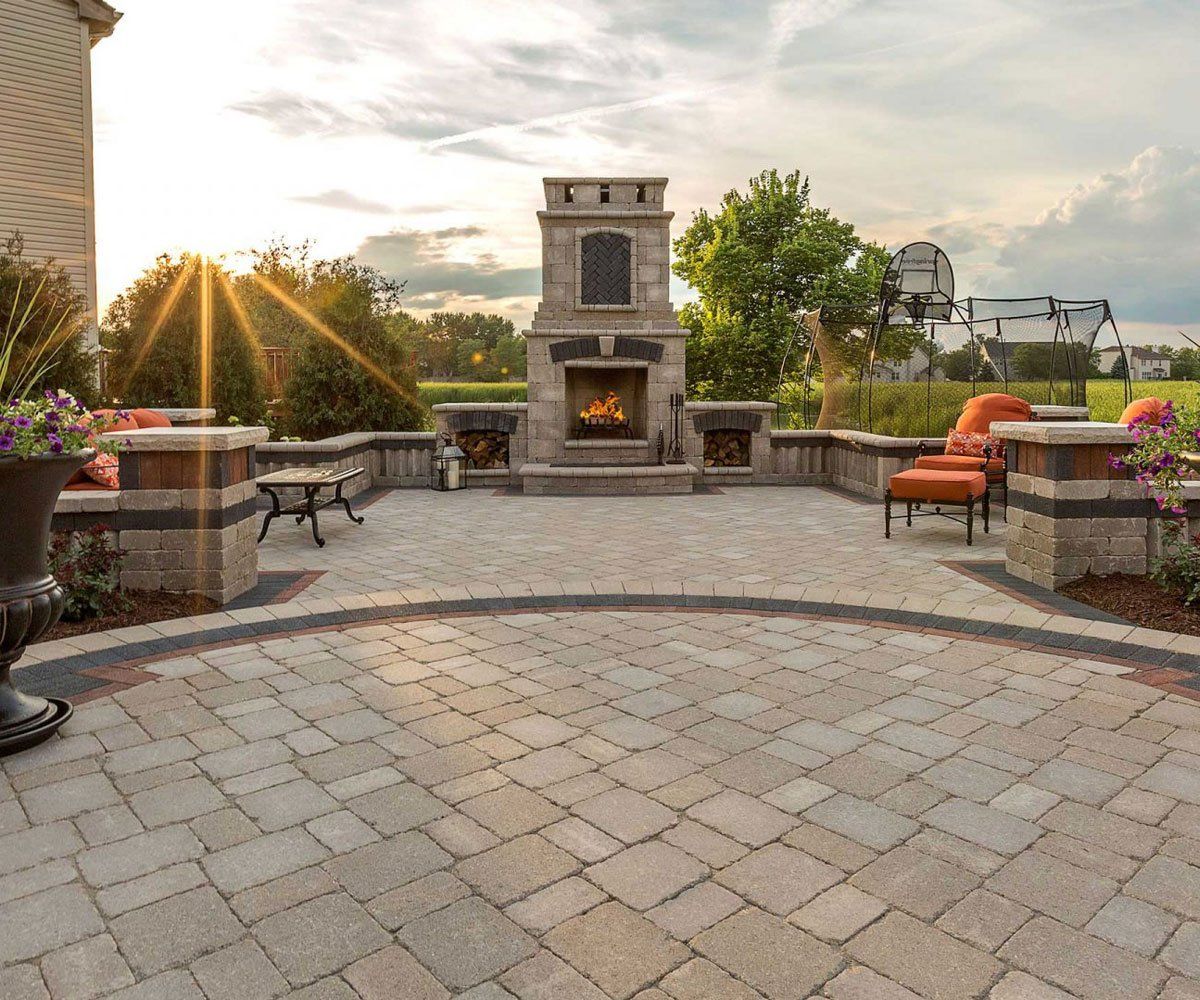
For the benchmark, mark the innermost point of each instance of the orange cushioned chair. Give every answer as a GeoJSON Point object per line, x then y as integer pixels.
{"type": "Point", "coordinates": [969, 444]}
{"type": "Point", "coordinates": [1151, 407]}
{"type": "Point", "coordinates": [100, 474]}
{"type": "Point", "coordinates": [937, 488]}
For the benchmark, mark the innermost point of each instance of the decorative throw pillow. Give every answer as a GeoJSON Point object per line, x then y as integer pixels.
{"type": "Point", "coordinates": [967, 443]}
{"type": "Point", "coordinates": [105, 470]}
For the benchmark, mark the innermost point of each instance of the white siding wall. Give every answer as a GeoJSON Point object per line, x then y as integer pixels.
{"type": "Point", "coordinates": [45, 134]}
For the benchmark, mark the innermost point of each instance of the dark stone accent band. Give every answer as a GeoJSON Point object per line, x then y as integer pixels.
{"type": "Point", "coordinates": [637, 348]}
{"type": "Point", "coordinates": [580, 347]}
{"type": "Point", "coordinates": [482, 420]}
{"type": "Point", "coordinates": [173, 519]}
{"type": "Point", "coordinates": [1051, 507]}
{"type": "Point", "coordinates": [40, 677]}
{"type": "Point", "coordinates": [727, 420]}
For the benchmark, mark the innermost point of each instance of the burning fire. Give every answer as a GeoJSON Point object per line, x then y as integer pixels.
{"type": "Point", "coordinates": [607, 410]}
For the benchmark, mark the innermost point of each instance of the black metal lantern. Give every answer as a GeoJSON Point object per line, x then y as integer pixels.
{"type": "Point", "coordinates": [448, 467]}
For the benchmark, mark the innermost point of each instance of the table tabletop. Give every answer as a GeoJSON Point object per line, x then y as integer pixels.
{"type": "Point", "coordinates": [306, 476]}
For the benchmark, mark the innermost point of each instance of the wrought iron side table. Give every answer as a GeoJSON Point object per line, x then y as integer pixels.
{"type": "Point", "coordinates": [312, 481]}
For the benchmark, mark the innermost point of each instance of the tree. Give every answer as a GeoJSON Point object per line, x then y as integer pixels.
{"type": "Point", "coordinates": [467, 346]}
{"type": "Point", "coordinates": [761, 259]}
{"type": "Point", "coordinates": [39, 299]}
{"type": "Point", "coordinates": [353, 371]}
{"type": "Point", "coordinates": [155, 331]}
{"type": "Point", "coordinates": [1120, 367]}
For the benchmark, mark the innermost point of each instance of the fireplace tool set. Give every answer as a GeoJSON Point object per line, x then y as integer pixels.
{"type": "Point", "coordinates": [675, 449]}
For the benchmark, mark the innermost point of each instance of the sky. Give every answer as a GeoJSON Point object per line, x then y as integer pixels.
{"type": "Point", "coordinates": [1050, 146]}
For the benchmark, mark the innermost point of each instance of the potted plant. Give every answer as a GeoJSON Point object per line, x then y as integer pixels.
{"type": "Point", "coordinates": [45, 437]}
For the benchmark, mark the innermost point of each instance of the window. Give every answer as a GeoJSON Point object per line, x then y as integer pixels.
{"type": "Point", "coordinates": [604, 194]}
{"type": "Point", "coordinates": [605, 270]}
{"type": "Point", "coordinates": [569, 193]}
{"type": "Point", "coordinates": [641, 193]}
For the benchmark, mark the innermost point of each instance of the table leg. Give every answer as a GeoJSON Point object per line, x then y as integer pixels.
{"type": "Point", "coordinates": [345, 502]}
{"type": "Point", "coordinates": [312, 513]}
{"type": "Point", "coordinates": [271, 514]}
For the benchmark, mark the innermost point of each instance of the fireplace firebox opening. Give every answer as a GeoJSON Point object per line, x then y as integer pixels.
{"type": "Point", "coordinates": [606, 402]}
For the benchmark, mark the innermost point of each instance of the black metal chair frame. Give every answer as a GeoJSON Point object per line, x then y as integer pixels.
{"type": "Point", "coordinates": [308, 507]}
{"type": "Point", "coordinates": [968, 517]}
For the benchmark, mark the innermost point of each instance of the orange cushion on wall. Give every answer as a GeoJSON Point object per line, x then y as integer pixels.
{"type": "Point", "coordinates": [979, 411]}
{"type": "Point", "coordinates": [1151, 407]}
{"type": "Point", "coordinates": [117, 425]}
{"type": "Point", "coordinates": [149, 418]}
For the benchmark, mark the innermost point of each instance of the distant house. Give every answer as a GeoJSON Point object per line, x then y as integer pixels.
{"type": "Point", "coordinates": [914, 368]}
{"type": "Point", "coordinates": [46, 130]}
{"type": "Point", "coordinates": [1144, 364]}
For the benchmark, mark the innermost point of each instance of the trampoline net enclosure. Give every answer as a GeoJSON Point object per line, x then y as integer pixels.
{"type": "Point", "coordinates": [904, 366]}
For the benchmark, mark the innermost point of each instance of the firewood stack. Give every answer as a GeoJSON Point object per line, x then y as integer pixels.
{"type": "Point", "coordinates": [484, 449]}
{"type": "Point", "coordinates": [726, 448]}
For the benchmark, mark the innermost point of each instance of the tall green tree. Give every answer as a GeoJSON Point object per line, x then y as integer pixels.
{"type": "Point", "coordinates": [154, 329]}
{"type": "Point", "coordinates": [760, 260]}
{"type": "Point", "coordinates": [353, 370]}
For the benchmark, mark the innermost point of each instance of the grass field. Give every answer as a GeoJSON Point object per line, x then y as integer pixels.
{"type": "Point", "coordinates": [899, 408]}
{"type": "Point", "coordinates": [471, 392]}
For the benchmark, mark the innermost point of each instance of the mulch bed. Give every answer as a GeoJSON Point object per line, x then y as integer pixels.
{"type": "Point", "coordinates": [146, 606]}
{"type": "Point", "coordinates": [1137, 599]}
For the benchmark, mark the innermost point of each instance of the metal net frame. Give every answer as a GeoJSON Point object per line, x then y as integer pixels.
{"type": "Point", "coordinates": [876, 364]}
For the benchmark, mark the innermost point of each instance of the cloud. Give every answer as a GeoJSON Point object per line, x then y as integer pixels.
{"type": "Point", "coordinates": [345, 200]}
{"type": "Point", "coordinates": [423, 259]}
{"type": "Point", "coordinates": [788, 18]}
{"type": "Point", "coordinates": [1128, 236]}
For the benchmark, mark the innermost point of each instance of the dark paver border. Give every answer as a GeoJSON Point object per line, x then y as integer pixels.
{"type": "Point", "coordinates": [991, 573]}
{"type": "Point", "coordinates": [85, 676]}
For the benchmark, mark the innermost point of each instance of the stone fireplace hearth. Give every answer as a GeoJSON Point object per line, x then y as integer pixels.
{"type": "Point", "coordinates": [605, 325]}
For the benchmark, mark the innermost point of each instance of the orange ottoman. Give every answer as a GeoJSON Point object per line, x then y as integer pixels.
{"type": "Point", "coordinates": [937, 488]}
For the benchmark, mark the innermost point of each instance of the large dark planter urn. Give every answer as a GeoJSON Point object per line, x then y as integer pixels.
{"type": "Point", "coordinates": [30, 600]}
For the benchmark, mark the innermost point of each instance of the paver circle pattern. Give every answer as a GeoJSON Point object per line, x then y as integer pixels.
{"type": "Point", "coordinates": [657, 804]}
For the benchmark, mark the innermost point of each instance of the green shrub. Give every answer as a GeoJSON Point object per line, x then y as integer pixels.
{"type": "Point", "coordinates": [87, 566]}
{"type": "Point", "coordinates": [154, 330]}
{"type": "Point", "coordinates": [351, 372]}
{"type": "Point", "coordinates": [47, 316]}
{"type": "Point", "coordinates": [472, 392]}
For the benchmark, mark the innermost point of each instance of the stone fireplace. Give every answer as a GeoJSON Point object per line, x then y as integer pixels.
{"type": "Point", "coordinates": [605, 325]}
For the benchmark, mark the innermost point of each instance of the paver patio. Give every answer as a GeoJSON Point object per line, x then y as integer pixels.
{"type": "Point", "coordinates": [669, 803]}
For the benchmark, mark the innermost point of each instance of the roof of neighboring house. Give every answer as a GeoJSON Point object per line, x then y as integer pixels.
{"type": "Point", "coordinates": [101, 18]}
{"type": "Point", "coordinates": [1140, 353]}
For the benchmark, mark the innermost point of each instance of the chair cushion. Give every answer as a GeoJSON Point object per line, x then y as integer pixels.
{"type": "Point", "coordinates": [149, 418]}
{"type": "Point", "coordinates": [979, 411]}
{"type": "Point", "coordinates": [86, 486]}
{"type": "Point", "coordinates": [1151, 408]}
{"type": "Point", "coordinates": [958, 463]}
{"type": "Point", "coordinates": [936, 484]}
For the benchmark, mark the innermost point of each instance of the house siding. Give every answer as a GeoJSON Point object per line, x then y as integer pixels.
{"type": "Point", "coordinates": [46, 135]}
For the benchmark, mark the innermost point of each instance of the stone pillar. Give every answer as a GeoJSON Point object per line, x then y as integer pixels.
{"type": "Point", "coordinates": [1069, 512]}
{"type": "Point", "coordinates": [186, 510]}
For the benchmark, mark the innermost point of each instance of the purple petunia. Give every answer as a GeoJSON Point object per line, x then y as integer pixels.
{"type": "Point", "coordinates": [22, 422]}
{"type": "Point", "coordinates": [6, 442]}
{"type": "Point", "coordinates": [56, 444]}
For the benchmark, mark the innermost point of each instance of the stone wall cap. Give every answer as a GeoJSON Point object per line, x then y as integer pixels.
{"type": "Point", "coordinates": [190, 438]}
{"type": "Point", "coordinates": [882, 440]}
{"type": "Point", "coordinates": [741, 404]}
{"type": "Point", "coordinates": [1054, 410]}
{"type": "Point", "coordinates": [595, 471]}
{"type": "Point", "coordinates": [588, 210]}
{"type": "Point", "coordinates": [87, 502]}
{"type": "Point", "coordinates": [1079, 432]}
{"type": "Point", "coordinates": [605, 180]}
{"type": "Point", "coordinates": [801, 435]}
{"type": "Point", "coordinates": [174, 413]}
